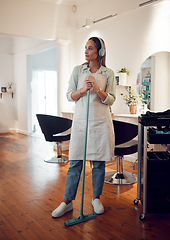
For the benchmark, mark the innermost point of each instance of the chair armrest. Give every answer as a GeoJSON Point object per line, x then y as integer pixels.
{"type": "Point", "coordinates": [65, 133]}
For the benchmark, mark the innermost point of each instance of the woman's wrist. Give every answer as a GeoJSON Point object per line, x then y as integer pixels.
{"type": "Point", "coordinates": [81, 93]}
{"type": "Point", "coordinates": [98, 90]}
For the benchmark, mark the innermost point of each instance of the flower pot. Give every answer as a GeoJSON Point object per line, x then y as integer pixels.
{"type": "Point", "coordinates": [10, 90]}
{"type": "Point", "coordinates": [133, 109]}
{"type": "Point", "coordinates": [123, 79]}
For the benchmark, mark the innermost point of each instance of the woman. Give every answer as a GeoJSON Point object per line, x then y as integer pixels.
{"type": "Point", "coordinates": [93, 75]}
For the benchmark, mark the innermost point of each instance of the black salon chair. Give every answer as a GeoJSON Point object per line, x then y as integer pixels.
{"type": "Point", "coordinates": [55, 129]}
{"type": "Point", "coordinates": [125, 144]}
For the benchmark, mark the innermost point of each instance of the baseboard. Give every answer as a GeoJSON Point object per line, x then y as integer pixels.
{"type": "Point", "coordinates": [14, 130]}
{"type": "Point", "coordinates": [5, 131]}
{"type": "Point", "coordinates": [23, 132]}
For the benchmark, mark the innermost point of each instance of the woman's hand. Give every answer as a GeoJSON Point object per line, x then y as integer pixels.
{"type": "Point", "coordinates": [101, 94]}
{"type": "Point", "coordinates": [87, 85]}
{"type": "Point", "coordinates": [91, 80]}
{"type": "Point", "coordinates": [82, 91]}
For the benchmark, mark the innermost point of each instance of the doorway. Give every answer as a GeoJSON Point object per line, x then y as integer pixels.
{"type": "Point", "coordinates": [44, 96]}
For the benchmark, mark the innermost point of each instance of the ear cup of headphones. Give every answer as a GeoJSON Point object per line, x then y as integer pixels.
{"type": "Point", "coordinates": [101, 50]}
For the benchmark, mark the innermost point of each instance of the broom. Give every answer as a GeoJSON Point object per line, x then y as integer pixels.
{"type": "Point", "coordinates": [82, 217]}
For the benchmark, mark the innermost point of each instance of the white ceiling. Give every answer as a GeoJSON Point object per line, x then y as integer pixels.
{"type": "Point", "coordinates": [78, 3]}
{"type": "Point", "coordinates": [58, 2]}
{"type": "Point", "coordinates": [66, 2]}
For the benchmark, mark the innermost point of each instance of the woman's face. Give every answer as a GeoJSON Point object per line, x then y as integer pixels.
{"type": "Point", "coordinates": [91, 52]}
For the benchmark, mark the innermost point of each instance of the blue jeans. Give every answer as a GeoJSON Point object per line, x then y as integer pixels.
{"type": "Point", "coordinates": [73, 177]}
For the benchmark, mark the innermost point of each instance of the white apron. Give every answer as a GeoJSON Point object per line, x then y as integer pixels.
{"type": "Point", "coordinates": [100, 136]}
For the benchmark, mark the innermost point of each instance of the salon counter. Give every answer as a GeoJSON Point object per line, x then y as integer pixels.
{"type": "Point", "coordinates": [132, 118]}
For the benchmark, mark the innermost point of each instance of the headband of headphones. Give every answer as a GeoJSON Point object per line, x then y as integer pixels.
{"type": "Point", "coordinates": [101, 50]}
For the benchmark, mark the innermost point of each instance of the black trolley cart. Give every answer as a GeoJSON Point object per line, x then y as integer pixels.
{"type": "Point", "coordinates": [153, 183]}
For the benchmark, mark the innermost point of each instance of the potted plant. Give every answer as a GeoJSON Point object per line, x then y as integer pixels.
{"type": "Point", "coordinates": [123, 70]}
{"type": "Point", "coordinates": [131, 100]}
{"type": "Point", "coordinates": [123, 73]}
{"type": "Point", "coordinates": [10, 87]}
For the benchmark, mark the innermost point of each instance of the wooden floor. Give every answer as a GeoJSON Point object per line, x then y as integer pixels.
{"type": "Point", "coordinates": [30, 189]}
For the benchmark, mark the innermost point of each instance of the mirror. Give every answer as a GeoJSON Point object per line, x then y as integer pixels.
{"type": "Point", "coordinates": [144, 82]}
{"type": "Point", "coordinates": [153, 81]}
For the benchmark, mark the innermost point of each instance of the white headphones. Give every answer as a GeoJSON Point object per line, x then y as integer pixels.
{"type": "Point", "coordinates": [101, 50]}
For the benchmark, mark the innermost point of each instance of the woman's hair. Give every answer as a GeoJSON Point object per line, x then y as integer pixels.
{"type": "Point", "coordinates": [101, 60]}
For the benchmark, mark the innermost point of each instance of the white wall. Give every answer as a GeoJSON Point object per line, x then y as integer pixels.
{"type": "Point", "coordinates": [20, 79]}
{"type": "Point", "coordinates": [63, 73]}
{"type": "Point", "coordinates": [161, 81]}
{"type": "Point", "coordinates": [130, 38]}
{"type": "Point", "coordinates": [7, 103]}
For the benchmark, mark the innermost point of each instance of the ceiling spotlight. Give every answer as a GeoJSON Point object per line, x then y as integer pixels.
{"type": "Point", "coordinates": [88, 23]}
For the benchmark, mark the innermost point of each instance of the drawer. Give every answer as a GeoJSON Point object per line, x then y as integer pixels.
{"type": "Point", "coordinates": [158, 178]}
{"type": "Point", "coordinates": [157, 138]}
{"type": "Point", "coordinates": [158, 205]}
{"type": "Point", "coordinates": [158, 191]}
{"type": "Point", "coordinates": [158, 162]}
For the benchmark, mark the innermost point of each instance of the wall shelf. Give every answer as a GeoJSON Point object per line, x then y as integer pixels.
{"type": "Point", "coordinates": [6, 92]}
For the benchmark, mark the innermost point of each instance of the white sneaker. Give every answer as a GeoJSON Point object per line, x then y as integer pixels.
{"type": "Point", "coordinates": [98, 206]}
{"type": "Point", "coordinates": [62, 209]}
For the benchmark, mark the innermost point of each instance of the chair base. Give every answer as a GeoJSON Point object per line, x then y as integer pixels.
{"type": "Point", "coordinates": [120, 178]}
{"type": "Point", "coordinates": [57, 159]}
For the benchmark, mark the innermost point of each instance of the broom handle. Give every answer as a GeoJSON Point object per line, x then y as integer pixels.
{"type": "Point", "coordinates": [84, 156]}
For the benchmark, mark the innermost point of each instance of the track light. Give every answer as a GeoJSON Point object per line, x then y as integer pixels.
{"type": "Point", "coordinates": [104, 18]}
{"type": "Point", "coordinates": [89, 22]}
{"type": "Point", "coordinates": [147, 2]}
